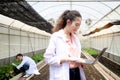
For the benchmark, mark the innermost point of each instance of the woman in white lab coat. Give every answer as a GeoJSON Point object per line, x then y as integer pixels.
{"type": "Point", "coordinates": [64, 46]}
{"type": "Point", "coordinates": [27, 64]}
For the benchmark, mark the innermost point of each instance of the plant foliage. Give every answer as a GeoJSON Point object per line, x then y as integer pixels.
{"type": "Point", "coordinates": [5, 73]}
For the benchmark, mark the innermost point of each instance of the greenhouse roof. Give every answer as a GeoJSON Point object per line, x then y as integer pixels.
{"type": "Point", "coordinates": [36, 13]}
{"type": "Point", "coordinates": [95, 13]}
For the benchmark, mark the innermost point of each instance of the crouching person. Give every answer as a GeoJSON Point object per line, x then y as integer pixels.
{"type": "Point", "coordinates": [27, 64]}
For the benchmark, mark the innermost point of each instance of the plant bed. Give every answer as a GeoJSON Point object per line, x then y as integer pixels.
{"type": "Point", "coordinates": [113, 66]}
{"type": "Point", "coordinates": [40, 65]}
{"type": "Point", "coordinates": [91, 72]}
{"type": "Point", "coordinates": [44, 74]}
{"type": "Point", "coordinates": [5, 70]}
{"type": "Point", "coordinates": [107, 62]}
{"type": "Point", "coordinates": [104, 71]}
{"type": "Point", "coordinates": [92, 52]}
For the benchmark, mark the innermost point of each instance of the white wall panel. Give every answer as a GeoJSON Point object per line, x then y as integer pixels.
{"type": "Point", "coordinates": [14, 41]}
{"type": "Point", "coordinates": [4, 46]}
{"type": "Point", "coordinates": [110, 40]}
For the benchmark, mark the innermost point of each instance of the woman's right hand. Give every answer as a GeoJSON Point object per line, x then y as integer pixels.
{"type": "Point", "coordinates": [64, 59]}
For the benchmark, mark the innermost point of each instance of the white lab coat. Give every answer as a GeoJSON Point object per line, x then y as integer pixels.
{"type": "Point", "coordinates": [32, 65]}
{"type": "Point", "coordinates": [56, 50]}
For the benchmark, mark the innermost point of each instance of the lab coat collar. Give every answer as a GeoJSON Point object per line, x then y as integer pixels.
{"type": "Point", "coordinates": [62, 35]}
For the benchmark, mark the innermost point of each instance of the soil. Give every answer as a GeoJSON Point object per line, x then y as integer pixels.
{"type": "Point", "coordinates": [44, 74]}
{"type": "Point", "coordinates": [90, 72]}
{"type": "Point", "coordinates": [111, 65]}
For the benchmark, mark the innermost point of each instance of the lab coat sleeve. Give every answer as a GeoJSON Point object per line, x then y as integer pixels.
{"type": "Point", "coordinates": [21, 64]}
{"type": "Point", "coordinates": [50, 55]}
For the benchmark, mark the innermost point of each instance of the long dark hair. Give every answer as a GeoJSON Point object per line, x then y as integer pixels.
{"type": "Point", "coordinates": [68, 14]}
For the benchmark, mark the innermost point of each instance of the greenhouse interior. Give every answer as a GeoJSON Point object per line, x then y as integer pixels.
{"type": "Point", "coordinates": [26, 28]}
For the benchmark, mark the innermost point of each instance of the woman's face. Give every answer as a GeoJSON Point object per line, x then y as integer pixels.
{"type": "Point", "coordinates": [75, 25]}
